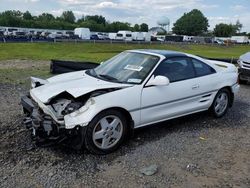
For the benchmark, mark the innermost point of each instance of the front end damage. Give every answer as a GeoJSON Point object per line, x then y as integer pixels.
{"type": "Point", "coordinates": [59, 116]}
{"type": "Point", "coordinates": [45, 130]}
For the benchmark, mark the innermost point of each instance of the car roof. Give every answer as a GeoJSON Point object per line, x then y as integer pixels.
{"type": "Point", "coordinates": [166, 53]}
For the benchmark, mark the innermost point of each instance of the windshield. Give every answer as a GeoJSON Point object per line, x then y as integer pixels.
{"type": "Point", "coordinates": [127, 67]}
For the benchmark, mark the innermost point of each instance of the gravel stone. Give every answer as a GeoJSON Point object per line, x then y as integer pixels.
{"type": "Point", "coordinates": [150, 170]}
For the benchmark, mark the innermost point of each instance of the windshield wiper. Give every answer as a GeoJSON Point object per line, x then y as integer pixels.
{"type": "Point", "coordinates": [108, 77]}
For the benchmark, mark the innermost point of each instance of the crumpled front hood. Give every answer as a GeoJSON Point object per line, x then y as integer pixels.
{"type": "Point", "coordinates": [76, 84]}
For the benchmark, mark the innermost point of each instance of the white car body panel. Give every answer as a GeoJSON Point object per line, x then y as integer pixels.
{"type": "Point", "coordinates": [78, 85]}
{"type": "Point", "coordinates": [146, 105]}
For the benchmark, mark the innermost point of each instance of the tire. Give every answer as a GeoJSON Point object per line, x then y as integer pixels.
{"type": "Point", "coordinates": [221, 103]}
{"type": "Point", "coordinates": [101, 136]}
{"type": "Point", "coordinates": [242, 82]}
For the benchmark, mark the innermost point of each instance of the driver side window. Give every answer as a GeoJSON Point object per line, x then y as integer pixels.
{"type": "Point", "coordinates": [176, 69]}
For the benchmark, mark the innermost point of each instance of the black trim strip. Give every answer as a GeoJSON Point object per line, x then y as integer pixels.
{"type": "Point", "coordinates": [208, 95]}
{"type": "Point", "coordinates": [163, 103]}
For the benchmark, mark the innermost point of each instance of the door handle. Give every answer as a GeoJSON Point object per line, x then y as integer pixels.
{"type": "Point", "coordinates": [195, 86]}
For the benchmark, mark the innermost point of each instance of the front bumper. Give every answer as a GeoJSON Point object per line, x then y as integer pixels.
{"type": "Point", "coordinates": [45, 130]}
{"type": "Point", "coordinates": [40, 124]}
{"type": "Point", "coordinates": [244, 74]}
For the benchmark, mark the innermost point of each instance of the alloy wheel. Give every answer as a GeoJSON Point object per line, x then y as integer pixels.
{"type": "Point", "coordinates": [107, 132]}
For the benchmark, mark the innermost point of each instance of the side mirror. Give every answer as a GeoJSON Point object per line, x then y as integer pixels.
{"type": "Point", "coordinates": [158, 81]}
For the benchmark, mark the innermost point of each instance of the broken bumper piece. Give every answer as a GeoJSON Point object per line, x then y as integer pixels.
{"type": "Point", "coordinates": [44, 130]}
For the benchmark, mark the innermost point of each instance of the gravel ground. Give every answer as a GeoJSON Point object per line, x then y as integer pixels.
{"type": "Point", "coordinates": [194, 151]}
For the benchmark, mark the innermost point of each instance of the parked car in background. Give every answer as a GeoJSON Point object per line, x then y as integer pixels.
{"type": "Point", "coordinates": [106, 36]}
{"type": "Point", "coordinates": [244, 68]}
{"type": "Point", "coordinates": [101, 36]}
{"type": "Point", "coordinates": [99, 108]}
{"type": "Point", "coordinates": [56, 35]}
{"type": "Point", "coordinates": [37, 34]}
{"type": "Point", "coordinates": [9, 32]}
{"type": "Point", "coordinates": [69, 35]}
{"type": "Point", "coordinates": [19, 34]}
{"type": "Point", "coordinates": [218, 41]}
{"type": "Point", "coordinates": [45, 34]}
{"type": "Point", "coordinates": [94, 37]}
{"type": "Point", "coordinates": [1, 33]}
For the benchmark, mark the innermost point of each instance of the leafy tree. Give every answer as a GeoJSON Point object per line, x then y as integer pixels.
{"type": "Point", "coordinates": [46, 17]}
{"type": "Point", "coordinates": [238, 26]}
{"type": "Point", "coordinates": [82, 19]}
{"type": "Point", "coordinates": [192, 23]}
{"type": "Point", "coordinates": [27, 16]}
{"type": "Point", "coordinates": [65, 21]}
{"type": "Point", "coordinates": [10, 18]}
{"type": "Point", "coordinates": [68, 16]}
{"type": "Point", "coordinates": [96, 18]}
{"type": "Point", "coordinates": [144, 27]}
{"type": "Point", "coordinates": [136, 27]}
{"type": "Point", "coordinates": [224, 30]}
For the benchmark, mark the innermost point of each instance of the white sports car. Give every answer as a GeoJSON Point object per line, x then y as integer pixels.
{"type": "Point", "coordinates": [99, 108]}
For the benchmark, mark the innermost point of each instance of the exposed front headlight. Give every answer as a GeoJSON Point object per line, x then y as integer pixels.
{"type": "Point", "coordinates": [83, 108]}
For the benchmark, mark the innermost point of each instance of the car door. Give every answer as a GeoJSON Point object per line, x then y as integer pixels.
{"type": "Point", "coordinates": [178, 98]}
{"type": "Point", "coordinates": [206, 81]}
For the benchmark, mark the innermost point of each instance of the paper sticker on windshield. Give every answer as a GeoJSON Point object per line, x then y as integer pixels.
{"type": "Point", "coordinates": [134, 68]}
{"type": "Point", "coordinates": [134, 80]}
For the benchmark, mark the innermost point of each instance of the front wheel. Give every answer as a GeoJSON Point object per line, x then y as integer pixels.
{"type": "Point", "coordinates": [106, 132]}
{"type": "Point", "coordinates": [221, 103]}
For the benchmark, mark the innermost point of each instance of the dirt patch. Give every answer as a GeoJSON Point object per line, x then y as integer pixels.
{"type": "Point", "coordinates": [23, 64]}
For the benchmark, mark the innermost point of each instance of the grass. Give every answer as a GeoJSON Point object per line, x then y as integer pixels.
{"type": "Point", "coordinates": [90, 52]}
{"type": "Point", "coordinates": [99, 52]}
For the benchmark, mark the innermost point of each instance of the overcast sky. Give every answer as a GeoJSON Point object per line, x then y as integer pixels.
{"type": "Point", "coordinates": [139, 11]}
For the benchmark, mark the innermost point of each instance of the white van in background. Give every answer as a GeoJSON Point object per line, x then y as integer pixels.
{"type": "Point", "coordinates": [240, 39]}
{"type": "Point", "coordinates": [124, 35]}
{"type": "Point", "coordinates": [82, 33]}
{"type": "Point", "coordinates": [147, 36]}
{"type": "Point", "coordinates": [112, 36]}
{"type": "Point", "coordinates": [137, 36]}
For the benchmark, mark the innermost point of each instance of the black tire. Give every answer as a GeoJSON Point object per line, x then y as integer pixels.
{"type": "Point", "coordinates": [242, 82]}
{"type": "Point", "coordinates": [92, 145]}
{"type": "Point", "coordinates": [216, 113]}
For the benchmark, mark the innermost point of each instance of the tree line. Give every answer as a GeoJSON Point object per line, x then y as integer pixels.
{"type": "Point", "coordinates": [67, 21]}
{"type": "Point", "coordinates": [195, 23]}
{"type": "Point", "coordinates": [192, 23]}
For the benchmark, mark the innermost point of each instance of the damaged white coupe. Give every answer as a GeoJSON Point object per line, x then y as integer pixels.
{"type": "Point", "coordinates": [99, 108]}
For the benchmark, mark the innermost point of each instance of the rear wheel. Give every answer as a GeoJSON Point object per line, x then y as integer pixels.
{"type": "Point", "coordinates": [106, 132]}
{"type": "Point", "coordinates": [221, 103]}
